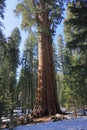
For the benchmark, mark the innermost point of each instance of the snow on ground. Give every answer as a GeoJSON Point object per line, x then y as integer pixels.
{"type": "Point", "coordinates": [79, 123]}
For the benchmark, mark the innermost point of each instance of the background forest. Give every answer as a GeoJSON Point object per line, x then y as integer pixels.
{"type": "Point", "coordinates": [69, 56]}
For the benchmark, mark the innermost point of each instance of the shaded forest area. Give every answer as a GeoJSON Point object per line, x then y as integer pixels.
{"type": "Point", "coordinates": [48, 71]}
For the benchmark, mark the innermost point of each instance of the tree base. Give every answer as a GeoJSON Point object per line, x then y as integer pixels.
{"type": "Point", "coordinates": [38, 111]}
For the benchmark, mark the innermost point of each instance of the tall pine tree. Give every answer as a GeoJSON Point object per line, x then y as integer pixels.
{"type": "Point", "coordinates": [13, 59]}
{"type": "Point", "coordinates": [76, 39]}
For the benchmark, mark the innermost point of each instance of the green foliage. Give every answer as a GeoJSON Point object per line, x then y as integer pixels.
{"type": "Point", "coordinates": [9, 58]}
{"type": "Point", "coordinates": [60, 61]}
{"type": "Point", "coordinates": [2, 106]}
{"type": "Point", "coordinates": [5, 103]}
{"type": "Point", "coordinates": [4, 81]}
{"type": "Point", "coordinates": [2, 6]}
{"type": "Point", "coordinates": [76, 42]}
{"type": "Point", "coordinates": [5, 96]}
{"type": "Point", "coordinates": [28, 77]}
{"type": "Point", "coordinates": [30, 11]}
{"type": "Point", "coordinates": [13, 48]}
{"type": "Point", "coordinates": [75, 24]}
{"type": "Point", "coordinates": [13, 60]}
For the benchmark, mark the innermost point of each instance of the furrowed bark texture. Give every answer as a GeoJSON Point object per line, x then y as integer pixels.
{"type": "Point", "coordinates": [46, 96]}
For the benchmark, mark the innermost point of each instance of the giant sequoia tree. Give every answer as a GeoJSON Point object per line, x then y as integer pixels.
{"type": "Point", "coordinates": [44, 15]}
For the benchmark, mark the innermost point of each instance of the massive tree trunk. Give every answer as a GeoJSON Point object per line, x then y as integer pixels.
{"type": "Point", "coordinates": [46, 95]}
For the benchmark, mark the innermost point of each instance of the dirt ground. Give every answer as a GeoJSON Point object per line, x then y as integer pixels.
{"type": "Point", "coordinates": [42, 119]}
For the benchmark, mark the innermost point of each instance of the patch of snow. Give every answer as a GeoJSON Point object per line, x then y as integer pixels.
{"type": "Point", "coordinates": [79, 123]}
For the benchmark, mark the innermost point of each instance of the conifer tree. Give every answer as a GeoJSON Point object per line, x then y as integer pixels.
{"type": "Point", "coordinates": [13, 60]}
{"type": "Point", "coordinates": [44, 17]}
{"type": "Point", "coordinates": [28, 78]}
{"type": "Point", "coordinates": [76, 39]}
{"type": "Point", "coordinates": [2, 6]}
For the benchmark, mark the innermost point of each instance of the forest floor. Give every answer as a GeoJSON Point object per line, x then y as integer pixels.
{"type": "Point", "coordinates": [21, 121]}
{"type": "Point", "coordinates": [53, 122]}
{"type": "Point", "coordinates": [79, 123]}
{"type": "Point", "coordinates": [42, 119]}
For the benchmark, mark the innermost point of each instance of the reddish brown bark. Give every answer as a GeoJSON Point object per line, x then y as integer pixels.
{"type": "Point", "coordinates": [46, 96]}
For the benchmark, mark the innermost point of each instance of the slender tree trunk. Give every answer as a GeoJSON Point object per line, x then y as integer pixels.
{"type": "Point", "coordinates": [46, 96]}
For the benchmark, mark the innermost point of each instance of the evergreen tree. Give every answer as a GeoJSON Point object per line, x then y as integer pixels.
{"type": "Point", "coordinates": [60, 46]}
{"type": "Point", "coordinates": [60, 72]}
{"type": "Point", "coordinates": [4, 102]}
{"type": "Point", "coordinates": [44, 15]}
{"type": "Point", "coordinates": [28, 78]}
{"type": "Point", "coordinates": [13, 59]}
{"type": "Point", "coordinates": [75, 30]}
{"type": "Point", "coordinates": [5, 96]}
{"type": "Point", "coordinates": [2, 6]}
